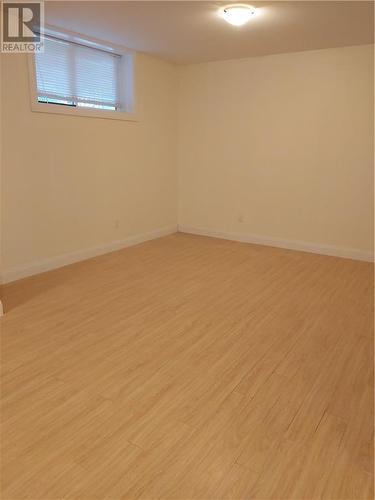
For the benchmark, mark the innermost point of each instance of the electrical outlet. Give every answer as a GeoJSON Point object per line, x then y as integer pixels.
{"type": "Point", "coordinates": [117, 223]}
{"type": "Point", "coordinates": [241, 219]}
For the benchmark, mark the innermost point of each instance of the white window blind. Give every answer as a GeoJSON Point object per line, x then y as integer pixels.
{"type": "Point", "coordinates": [74, 74]}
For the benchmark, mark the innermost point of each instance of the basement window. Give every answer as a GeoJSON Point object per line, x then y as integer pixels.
{"type": "Point", "coordinates": [70, 77]}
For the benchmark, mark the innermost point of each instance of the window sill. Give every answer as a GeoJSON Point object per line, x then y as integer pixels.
{"type": "Point", "coordinates": [88, 113]}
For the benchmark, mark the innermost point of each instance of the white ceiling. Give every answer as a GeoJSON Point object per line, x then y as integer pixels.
{"type": "Point", "coordinates": [191, 32]}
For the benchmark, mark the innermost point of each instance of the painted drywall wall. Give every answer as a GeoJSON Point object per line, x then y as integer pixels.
{"type": "Point", "coordinates": [280, 147]}
{"type": "Point", "coordinates": [1, 245]}
{"type": "Point", "coordinates": [75, 183]}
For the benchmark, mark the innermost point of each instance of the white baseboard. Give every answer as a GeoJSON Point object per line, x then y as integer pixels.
{"type": "Point", "coordinates": [69, 258]}
{"type": "Point", "coordinates": [348, 253]}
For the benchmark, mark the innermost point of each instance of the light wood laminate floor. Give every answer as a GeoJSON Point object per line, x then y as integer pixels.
{"type": "Point", "coordinates": [190, 368]}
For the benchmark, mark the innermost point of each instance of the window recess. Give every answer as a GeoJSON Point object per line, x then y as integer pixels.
{"type": "Point", "coordinates": [74, 78]}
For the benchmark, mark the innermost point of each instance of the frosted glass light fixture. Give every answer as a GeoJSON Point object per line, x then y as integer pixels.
{"type": "Point", "coordinates": [238, 15]}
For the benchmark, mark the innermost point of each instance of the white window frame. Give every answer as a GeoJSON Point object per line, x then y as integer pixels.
{"type": "Point", "coordinates": [128, 72]}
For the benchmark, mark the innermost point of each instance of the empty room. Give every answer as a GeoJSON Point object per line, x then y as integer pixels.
{"type": "Point", "coordinates": [187, 250]}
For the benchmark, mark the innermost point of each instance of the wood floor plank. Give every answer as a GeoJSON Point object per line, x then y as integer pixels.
{"type": "Point", "coordinates": [189, 368]}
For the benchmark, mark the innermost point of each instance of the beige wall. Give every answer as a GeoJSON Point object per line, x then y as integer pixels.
{"type": "Point", "coordinates": [284, 142]}
{"type": "Point", "coordinates": [67, 180]}
{"type": "Point", "coordinates": [1, 244]}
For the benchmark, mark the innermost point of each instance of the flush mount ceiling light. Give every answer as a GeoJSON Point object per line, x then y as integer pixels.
{"type": "Point", "coordinates": [239, 14]}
